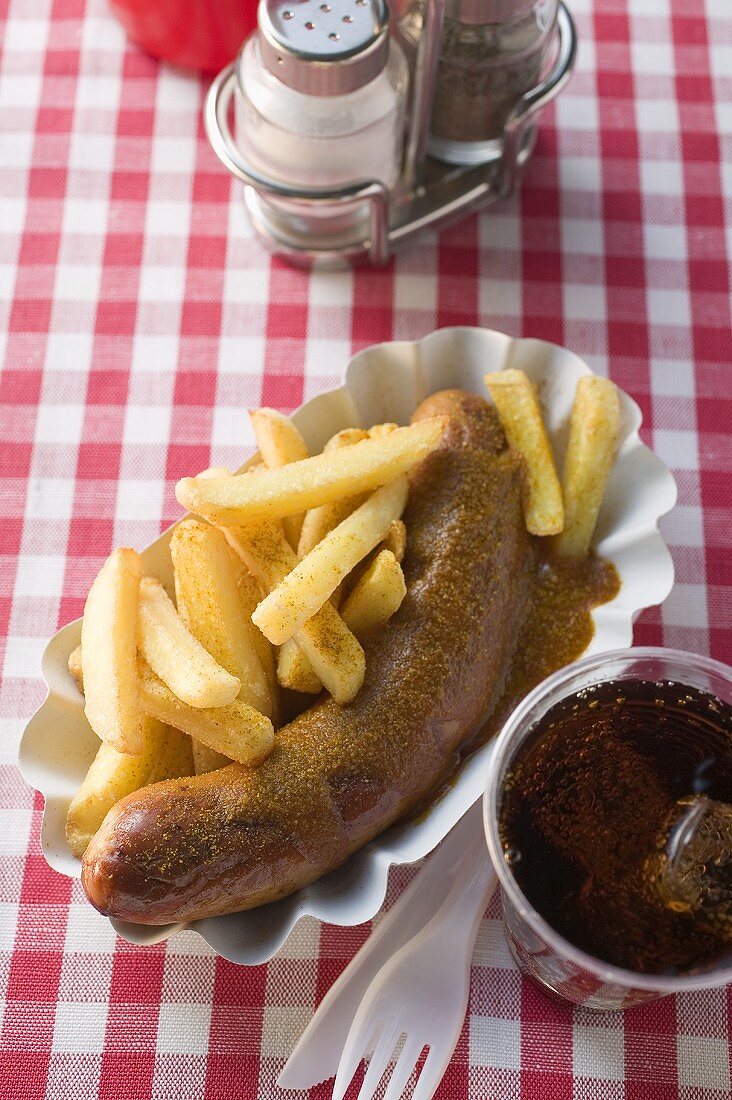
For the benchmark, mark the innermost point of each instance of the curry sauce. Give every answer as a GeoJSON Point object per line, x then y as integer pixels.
{"type": "Point", "coordinates": [557, 630]}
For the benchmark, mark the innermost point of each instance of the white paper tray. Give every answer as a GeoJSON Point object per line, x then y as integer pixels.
{"type": "Point", "coordinates": [382, 383]}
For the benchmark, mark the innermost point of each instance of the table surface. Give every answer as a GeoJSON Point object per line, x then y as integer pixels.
{"type": "Point", "coordinates": [139, 318]}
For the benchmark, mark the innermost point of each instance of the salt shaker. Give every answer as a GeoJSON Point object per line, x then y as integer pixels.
{"type": "Point", "coordinates": [491, 53]}
{"type": "Point", "coordinates": [320, 103]}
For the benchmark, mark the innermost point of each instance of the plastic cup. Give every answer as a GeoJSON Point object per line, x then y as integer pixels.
{"type": "Point", "coordinates": [555, 964]}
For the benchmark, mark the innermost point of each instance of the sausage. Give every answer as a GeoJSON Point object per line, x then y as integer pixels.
{"type": "Point", "coordinates": [338, 776]}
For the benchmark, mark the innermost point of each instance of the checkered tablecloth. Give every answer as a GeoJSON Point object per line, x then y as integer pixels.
{"type": "Point", "coordinates": [139, 317]}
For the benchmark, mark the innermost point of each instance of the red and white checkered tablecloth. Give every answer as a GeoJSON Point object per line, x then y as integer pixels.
{"type": "Point", "coordinates": [139, 317]}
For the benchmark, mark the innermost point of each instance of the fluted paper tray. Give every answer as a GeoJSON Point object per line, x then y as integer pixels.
{"type": "Point", "coordinates": [382, 383]}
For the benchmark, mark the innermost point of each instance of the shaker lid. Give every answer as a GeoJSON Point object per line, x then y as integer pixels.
{"type": "Point", "coordinates": [483, 12]}
{"type": "Point", "coordinates": [324, 47]}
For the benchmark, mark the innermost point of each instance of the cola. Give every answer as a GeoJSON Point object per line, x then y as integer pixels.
{"type": "Point", "coordinates": [616, 822]}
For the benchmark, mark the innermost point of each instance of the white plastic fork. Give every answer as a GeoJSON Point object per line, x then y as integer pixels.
{"type": "Point", "coordinates": [318, 1051]}
{"type": "Point", "coordinates": [422, 991]}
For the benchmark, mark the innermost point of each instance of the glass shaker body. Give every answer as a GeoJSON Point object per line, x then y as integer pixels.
{"type": "Point", "coordinates": [484, 69]}
{"type": "Point", "coordinates": [319, 141]}
{"type": "Point", "coordinates": [322, 141]}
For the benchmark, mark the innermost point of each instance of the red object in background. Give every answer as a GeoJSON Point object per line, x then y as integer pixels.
{"type": "Point", "coordinates": [196, 34]}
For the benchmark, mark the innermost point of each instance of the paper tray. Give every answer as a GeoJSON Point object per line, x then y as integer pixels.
{"type": "Point", "coordinates": [382, 383]}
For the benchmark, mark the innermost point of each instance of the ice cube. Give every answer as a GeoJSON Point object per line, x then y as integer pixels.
{"type": "Point", "coordinates": [691, 870]}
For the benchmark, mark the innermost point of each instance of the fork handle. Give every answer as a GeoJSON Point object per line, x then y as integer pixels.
{"type": "Point", "coordinates": [471, 890]}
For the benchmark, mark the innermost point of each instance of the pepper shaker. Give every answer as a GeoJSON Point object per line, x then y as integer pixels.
{"type": "Point", "coordinates": [491, 53]}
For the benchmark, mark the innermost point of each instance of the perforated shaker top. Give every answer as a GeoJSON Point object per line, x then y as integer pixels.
{"type": "Point", "coordinates": [324, 47]}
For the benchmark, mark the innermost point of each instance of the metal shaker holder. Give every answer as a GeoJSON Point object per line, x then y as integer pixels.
{"type": "Point", "coordinates": [428, 195]}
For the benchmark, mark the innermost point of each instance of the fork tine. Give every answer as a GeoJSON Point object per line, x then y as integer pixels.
{"type": "Point", "coordinates": [379, 1062]}
{"type": "Point", "coordinates": [357, 1045]}
{"type": "Point", "coordinates": [432, 1072]}
{"type": "Point", "coordinates": [404, 1068]}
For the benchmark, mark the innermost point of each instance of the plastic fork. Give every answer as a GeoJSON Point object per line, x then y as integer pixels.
{"type": "Point", "coordinates": [421, 993]}
{"type": "Point", "coordinates": [319, 1049]}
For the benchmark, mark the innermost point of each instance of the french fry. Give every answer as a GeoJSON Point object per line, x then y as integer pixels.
{"type": "Point", "coordinates": [236, 730]}
{"type": "Point", "coordinates": [346, 437]}
{"type": "Point", "coordinates": [250, 595]}
{"type": "Point", "coordinates": [294, 670]}
{"type": "Point", "coordinates": [518, 408]}
{"type": "Point", "coordinates": [175, 655]}
{"type": "Point", "coordinates": [273, 494]}
{"type": "Point", "coordinates": [207, 760]}
{"type": "Point", "coordinates": [374, 599]}
{"type": "Point", "coordinates": [319, 521]}
{"type": "Point", "coordinates": [176, 757]}
{"type": "Point", "coordinates": [395, 539]}
{"type": "Point", "coordinates": [378, 431]}
{"type": "Point", "coordinates": [376, 596]}
{"type": "Point", "coordinates": [111, 776]}
{"type": "Point", "coordinates": [166, 754]}
{"type": "Point", "coordinates": [109, 640]}
{"type": "Point", "coordinates": [593, 437]}
{"type": "Point", "coordinates": [75, 668]}
{"type": "Point", "coordinates": [310, 584]}
{"type": "Point", "coordinates": [334, 653]}
{"type": "Point", "coordinates": [209, 604]}
{"type": "Point", "coordinates": [264, 550]}
{"type": "Point", "coordinates": [280, 443]}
